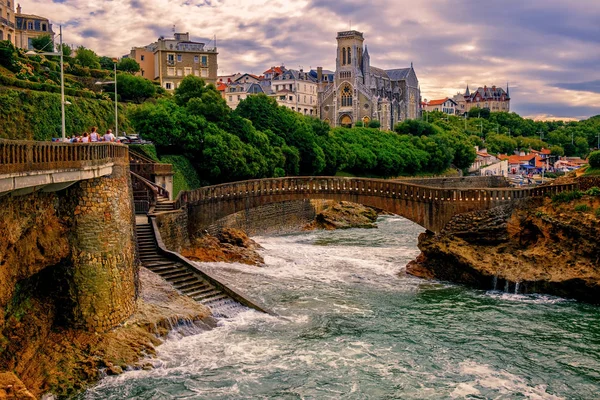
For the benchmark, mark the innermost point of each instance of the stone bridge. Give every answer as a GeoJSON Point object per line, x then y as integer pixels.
{"type": "Point", "coordinates": [431, 208]}
{"type": "Point", "coordinates": [27, 166]}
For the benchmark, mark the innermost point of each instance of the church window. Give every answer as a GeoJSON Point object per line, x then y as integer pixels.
{"type": "Point", "coordinates": [349, 56]}
{"type": "Point", "coordinates": [344, 56]}
{"type": "Point", "coordinates": [347, 96]}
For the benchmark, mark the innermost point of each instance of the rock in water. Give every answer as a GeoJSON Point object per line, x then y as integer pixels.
{"type": "Point", "coordinates": [230, 245]}
{"type": "Point", "coordinates": [344, 215]}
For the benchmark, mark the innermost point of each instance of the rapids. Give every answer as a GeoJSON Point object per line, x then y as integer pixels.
{"type": "Point", "coordinates": [351, 325]}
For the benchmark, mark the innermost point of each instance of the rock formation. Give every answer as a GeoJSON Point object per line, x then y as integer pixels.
{"type": "Point", "coordinates": [343, 215]}
{"type": "Point", "coordinates": [229, 245]}
{"type": "Point", "coordinates": [537, 246]}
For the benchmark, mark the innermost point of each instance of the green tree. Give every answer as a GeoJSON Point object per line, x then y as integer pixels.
{"type": "Point", "coordinates": [128, 65]}
{"type": "Point", "coordinates": [43, 43]}
{"type": "Point", "coordinates": [191, 86]}
{"type": "Point", "coordinates": [106, 63]}
{"type": "Point", "coordinates": [135, 88]}
{"type": "Point", "coordinates": [594, 159]}
{"type": "Point", "coordinates": [86, 58]}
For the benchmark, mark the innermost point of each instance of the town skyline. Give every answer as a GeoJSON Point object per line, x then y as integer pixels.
{"type": "Point", "coordinates": [547, 51]}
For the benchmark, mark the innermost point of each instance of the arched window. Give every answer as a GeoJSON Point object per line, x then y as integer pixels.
{"type": "Point", "coordinates": [344, 56]}
{"type": "Point", "coordinates": [347, 96]}
{"type": "Point", "coordinates": [349, 56]}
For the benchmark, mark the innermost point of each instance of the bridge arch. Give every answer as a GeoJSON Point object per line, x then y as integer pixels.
{"type": "Point", "coordinates": [431, 208]}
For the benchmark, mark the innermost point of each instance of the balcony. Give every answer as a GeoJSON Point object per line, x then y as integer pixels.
{"type": "Point", "coordinates": [6, 22]}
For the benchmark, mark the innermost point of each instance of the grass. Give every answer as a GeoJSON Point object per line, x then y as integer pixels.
{"type": "Point", "coordinates": [592, 172]}
{"type": "Point", "coordinates": [186, 177]}
{"type": "Point", "coordinates": [582, 208]}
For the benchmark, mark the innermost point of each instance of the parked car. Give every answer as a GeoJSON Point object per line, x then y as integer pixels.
{"type": "Point", "coordinates": [123, 139]}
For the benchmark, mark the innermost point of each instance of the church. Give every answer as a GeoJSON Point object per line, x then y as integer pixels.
{"type": "Point", "coordinates": [360, 92]}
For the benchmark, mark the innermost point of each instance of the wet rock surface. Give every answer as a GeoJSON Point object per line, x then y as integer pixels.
{"type": "Point", "coordinates": [532, 247]}
{"type": "Point", "coordinates": [344, 215]}
{"type": "Point", "coordinates": [229, 245]}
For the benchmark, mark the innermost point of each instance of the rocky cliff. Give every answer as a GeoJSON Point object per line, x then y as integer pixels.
{"type": "Point", "coordinates": [536, 246]}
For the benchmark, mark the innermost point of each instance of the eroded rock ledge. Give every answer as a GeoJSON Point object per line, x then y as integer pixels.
{"type": "Point", "coordinates": [531, 247]}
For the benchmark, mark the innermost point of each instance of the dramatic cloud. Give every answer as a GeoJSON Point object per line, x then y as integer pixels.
{"type": "Point", "coordinates": [531, 44]}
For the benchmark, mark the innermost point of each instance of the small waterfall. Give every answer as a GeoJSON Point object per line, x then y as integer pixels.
{"type": "Point", "coordinates": [226, 308]}
{"type": "Point", "coordinates": [495, 282]}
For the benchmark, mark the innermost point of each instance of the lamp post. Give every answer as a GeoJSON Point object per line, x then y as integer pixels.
{"type": "Point", "coordinates": [62, 80]}
{"type": "Point", "coordinates": [116, 103]}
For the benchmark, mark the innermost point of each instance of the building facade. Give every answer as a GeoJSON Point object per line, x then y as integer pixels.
{"type": "Point", "coordinates": [175, 58]}
{"type": "Point", "coordinates": [446, 105]}
{"type": "Point", "coordinates": [145, 57]}
{"type": "Point", "coordinates": [296, 90]}
{"type": "Point", "coordinates": [360, 92]}
{"type": "Point", "coordinates": [493, 98]}
{"type": "Point", "coordinates": [29, 27]}
{"type": "Point", "coordinates": [7, 21]}
{"type": "Point", "coordinates": [235, 92]}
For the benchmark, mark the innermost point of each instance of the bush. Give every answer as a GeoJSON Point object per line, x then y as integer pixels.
{"type": "Point", "coordinates": [593, 191]}
{"type": "Point", "coordinates": [359, 124]}
{"type": "Point", "coordinates": [374, 124]}
{"type": "Point", "coordinates": [565, 197]}
{"type": "Point", "coordinates": [186, 177]}
{"type": "Point", "coordinates": [581, 208]}
{"type": "Point", "coordinates": [594, 159]}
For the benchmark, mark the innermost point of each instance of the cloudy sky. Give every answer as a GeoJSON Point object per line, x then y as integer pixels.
{"type": "Point", "coordinates": [548, 50]}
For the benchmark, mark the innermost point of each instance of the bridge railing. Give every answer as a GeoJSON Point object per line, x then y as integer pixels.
{"type": "Point", "coordinates": [25, 156]}
{"type": "Point", "coordinates": [361, 186]}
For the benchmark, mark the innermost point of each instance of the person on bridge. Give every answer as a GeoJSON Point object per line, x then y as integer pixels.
{"type": "Point", "coordinates": [94, 137]}
{"type": "Point", "coordinates": [85, 138]}
{"type": "Point", "coordinates": [109, 137]}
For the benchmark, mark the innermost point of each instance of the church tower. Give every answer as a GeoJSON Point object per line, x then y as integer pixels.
{"type": "Point", "coordinates": [349, 72]}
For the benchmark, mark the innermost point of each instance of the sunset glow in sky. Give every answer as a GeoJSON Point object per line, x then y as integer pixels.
{"type": "Point", "coordinates": [548, 50]}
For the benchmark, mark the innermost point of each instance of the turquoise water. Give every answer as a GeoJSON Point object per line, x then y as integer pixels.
{"type": "Point", "coordinates": [352, 327]}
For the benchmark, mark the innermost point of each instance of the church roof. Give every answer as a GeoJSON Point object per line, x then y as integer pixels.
{"type": "Point", "coordinates": [379, 72]}
{"type": "Point", "coordinates": [398, 74]}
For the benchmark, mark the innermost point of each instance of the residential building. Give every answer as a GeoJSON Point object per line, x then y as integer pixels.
{"type": "Point", "coordinates": [445, 105]}
{"type": "Point", "coordinates": [487, 164]}
{"type": "Point", "coordinates": [226, 79]}
{"type": "Point", "coordinates": [493, 98]}
{"type": "Point", "coordinates": [177, 57]}
{"type": "Point", "coordinates": [7, 21]}
{"type": "Point", "coordinates": [297, 90]}
{"type": "Point", "coordinates": [238, 91]}
{"type": "Point", "coordinates": [29, 27]}
{"type": "Point", "coordinates": [145, 57]}
{"type": "Point", "coordinates": [361, 92]}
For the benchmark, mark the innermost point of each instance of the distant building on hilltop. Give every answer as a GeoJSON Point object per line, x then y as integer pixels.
{"type": "Point", "coordinates": [493, 98]}
{"type": "Point", "coordinates": [29, 27]}
{"type": "Point", "coordinates": [296, 90]}
{"type": "Point", "coordinates": [170, 60]}
{"type": "Point", "coordinates": [364, 93]}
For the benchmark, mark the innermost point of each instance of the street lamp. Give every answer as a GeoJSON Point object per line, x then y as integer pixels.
{"type": "Point", "coordinates": [62, 81]}
{"type": "Point", "coordinates": [116, 109]}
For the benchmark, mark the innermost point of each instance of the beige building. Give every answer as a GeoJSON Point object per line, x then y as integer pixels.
{"type": "Point", "coordinates": [364, 93]}
{"type": "Point", "coordinates": [296, 90]}
{"type": "Point", "coordinates": [175, 58]}
{"type": "Point", "coordinates": [29, 27]}
{"type": "Point", "coordinates": [493, 98]}
{"type": "Point", "coordinates": [7, 21]}
{"type": "Point", "coordinates": [446, 105]}
{"type": "Point", "coordinates": [145, 57]}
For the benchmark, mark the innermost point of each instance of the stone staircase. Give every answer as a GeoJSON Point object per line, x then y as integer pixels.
{"type": "Point", "coordinates": [164, 204]}
{"type": "Point", "coordinates": [183, 277]}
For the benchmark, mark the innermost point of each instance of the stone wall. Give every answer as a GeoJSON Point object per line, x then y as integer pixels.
{"type": "Point", "coordinates": [586, 182]}
{"type": "Point", "coordinates": [86, 231]}
{"type": "Point", "coordinates": [282, 217]}
{"type": "Point", "coordinates": [467, 182]}
{"type": "Point", "coordinates": [173, 228]}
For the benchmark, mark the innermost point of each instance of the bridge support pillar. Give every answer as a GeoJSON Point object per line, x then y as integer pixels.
{"type": "Point", "coordinates": [103, 279]}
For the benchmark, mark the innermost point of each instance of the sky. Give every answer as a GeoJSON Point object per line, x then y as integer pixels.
{"type": "Point", "coordinates": [548, 51]}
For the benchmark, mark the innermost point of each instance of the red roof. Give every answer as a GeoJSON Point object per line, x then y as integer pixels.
{"type": "Point", "coordinates": [437, 102]}
{"type": "Point", "coordinates": [221, 87]}
{"type": "Point", "coordinates": [277, 70]}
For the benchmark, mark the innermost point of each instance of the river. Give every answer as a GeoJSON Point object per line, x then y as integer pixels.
{"type": "Point", "coordinates": [351, 327]}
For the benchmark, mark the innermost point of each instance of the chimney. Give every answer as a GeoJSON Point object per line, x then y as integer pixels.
{"type": "Point", "coordinates": [19, 8]}
{"type": "Point", "coordinates": [319, 74]}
